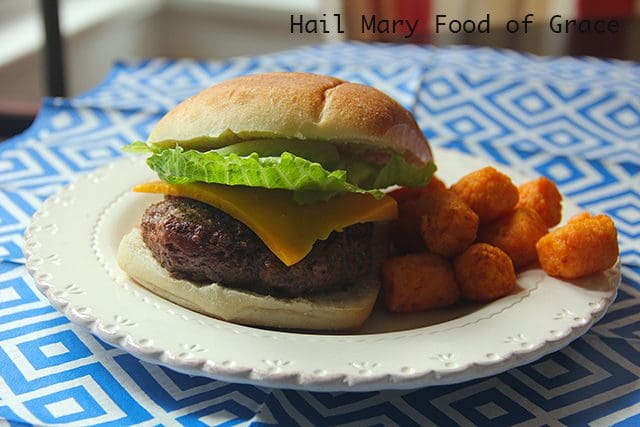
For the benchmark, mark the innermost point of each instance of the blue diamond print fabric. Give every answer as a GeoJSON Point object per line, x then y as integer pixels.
{"type": "Point", "coordinates": [574, 120]}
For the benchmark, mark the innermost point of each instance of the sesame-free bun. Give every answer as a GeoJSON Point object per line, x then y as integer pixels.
{"type": "Point", "coordinates": [298, 106]}
{"type": "Point", "coordinates": [340, 310]}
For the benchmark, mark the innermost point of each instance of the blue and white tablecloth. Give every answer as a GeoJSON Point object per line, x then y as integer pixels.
{"type": "Point", "coordinates": [574, 120]}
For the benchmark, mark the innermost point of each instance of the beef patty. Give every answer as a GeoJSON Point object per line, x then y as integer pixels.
{"type": "Point", "coordinates": [198, 242]}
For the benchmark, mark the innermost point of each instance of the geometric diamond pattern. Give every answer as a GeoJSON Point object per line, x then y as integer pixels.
{"type": "Point", "coordinates": [65, 406]}
{"type": "Point", "coordinates": [14, 292]}
{"type": "Point", "coordinates": [53, 350]}
{"type": "Point", "coordinates": [574, 120]}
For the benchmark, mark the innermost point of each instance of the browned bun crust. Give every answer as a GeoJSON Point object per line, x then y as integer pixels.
{"type": "Point", "coordinates": [297, 106]}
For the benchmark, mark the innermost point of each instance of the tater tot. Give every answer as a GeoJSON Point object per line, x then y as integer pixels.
{"type": "Point", "coordinates": [542, 196]}
{"type": "Point", "coordinates": [584, 246]}
{"type": "Point", "coordinates": [580, 216]}
{"type": "Point", "coordinates": [405, 231]}
{"type": "Point", "coordinates": [434, 184]}
{"type": "Point", "coordinates": [407, 193]}
{"type": "Point", "coordinates": [418, 282]}
{"type": "Point", "coordinates": [484, 273]}
{"type": "Point", "coordinates": [448, 225]}
{"type": "Point", "coordinates": [516, 234]}
{"type": "Point", "coordinates": [490, 193]}
{"type": "Point", "coordinates": [404, 194]}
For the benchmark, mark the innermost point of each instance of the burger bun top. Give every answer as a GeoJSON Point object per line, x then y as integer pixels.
{"type": "Point", "coordinates": [296, 106]}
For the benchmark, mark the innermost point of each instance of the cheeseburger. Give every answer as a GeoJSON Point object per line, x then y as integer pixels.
{"type": "Point", "coordinates": [272, 189]}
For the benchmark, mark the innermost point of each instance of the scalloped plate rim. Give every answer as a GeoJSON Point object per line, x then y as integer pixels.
{"type": "Point", "coordinates": [301, 379]}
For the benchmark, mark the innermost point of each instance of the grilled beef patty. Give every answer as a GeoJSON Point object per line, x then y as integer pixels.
{"type": "Point", "coordinates": [198, 242]}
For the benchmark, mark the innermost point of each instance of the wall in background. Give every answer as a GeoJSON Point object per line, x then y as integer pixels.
{"type": "Point", "coordinates": [206, 29]}
{"type": "Point", "coordinates": [202, 29]}
{"type": "Point", "coordinates": [100, 32]}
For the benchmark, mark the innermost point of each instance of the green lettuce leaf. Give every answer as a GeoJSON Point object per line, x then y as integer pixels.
{"type": "Point", "coordinates": [308, 180]}
{"type": "Point", "coordinates": [139, 147]}
{"type": "Point", "coordinates": [287, 172]}
{"type": "Point", "coordinates": [395, 172]}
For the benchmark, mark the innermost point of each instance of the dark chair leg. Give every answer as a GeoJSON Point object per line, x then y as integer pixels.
{"type": "Point", "coordinates": [54, 53]}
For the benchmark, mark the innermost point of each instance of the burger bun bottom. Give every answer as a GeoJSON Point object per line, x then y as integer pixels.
{"type": "Point", "coordinates": [337, 311]}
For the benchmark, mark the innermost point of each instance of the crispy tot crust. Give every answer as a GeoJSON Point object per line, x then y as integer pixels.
{"type": "Point", "coordinates": [584, 246]}
{"type": "Point", "coordinates": [403, 194]}
{"type": "Point", "coordinates": [434, 184]}
{"type": "Point", "coordinates": [580, 216]}
{"type": "Point", "coordinates": [418, 282]}
{"type": "Point", "coordinates": [484, 273]}
{"type": "Point", "coordinates": [405, 231]}
{"type": "Point", "coordinates": [542, 196]}
{"type": "Point", "coordinates": [448, 226]}
{"type": "Point", "coordinates": [516, 234]}
{"type": "Point", "coordinates": [490, 193]}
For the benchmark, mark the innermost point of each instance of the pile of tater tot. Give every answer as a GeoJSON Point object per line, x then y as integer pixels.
{"type": "Point", "coordinates": [469, 240]}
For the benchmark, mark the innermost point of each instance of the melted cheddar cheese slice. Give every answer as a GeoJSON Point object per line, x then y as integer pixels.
{"type": "Point", "coordinates": [289, 230]}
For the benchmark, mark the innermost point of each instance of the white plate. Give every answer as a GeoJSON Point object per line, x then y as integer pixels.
{"type": "Point", "coordinates": [71, 246]}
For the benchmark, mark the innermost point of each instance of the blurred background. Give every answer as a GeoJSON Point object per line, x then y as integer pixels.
{"type": "Point", "coordinates": [62, 48]}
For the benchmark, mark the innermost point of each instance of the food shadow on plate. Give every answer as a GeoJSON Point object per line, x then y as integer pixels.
{"type": "Point", "coordinates": [382, 321]}
{"type": "Point", "coordinates": [599, 282]}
